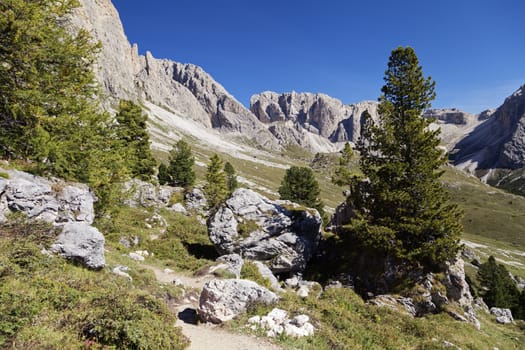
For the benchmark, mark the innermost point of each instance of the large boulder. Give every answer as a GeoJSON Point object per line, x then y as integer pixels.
{"type": "Point", "coordinates": [282, 234]}
{"type": "Point", "coordinates": [503, 316]}
{"type": "Point", "coordinates": [222, 300]}
{"type": "Point", "coordinates": [81, 243]}
{"type": "Point", "coordinates": [144, 194]}
{"type": "Point", "coordinates": [51, 200]}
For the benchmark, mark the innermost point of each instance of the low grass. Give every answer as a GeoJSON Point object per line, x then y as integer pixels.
{"type": "Point", "coordinates": [48, 303]}
{"type": "Point", "coordinates": [182, 245]}
{"type": "Point", "coordinates": [488, 212]}
{"type": "Point", "coordinates": [343, 321]}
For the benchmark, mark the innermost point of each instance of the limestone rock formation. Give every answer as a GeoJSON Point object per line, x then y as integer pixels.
{"type": "Point", "coordinates": [277, 322]}
{"type": "Point", "coordinates": [185, 89]}
{"type": "Point", "coordinates": [52, 200]}
{"type": "Point", "coordinates": [281, 234]}
{"type": "Point", "coordinates": [291, 115]}
{"type": "Point", "coordinates": [144, 194]}
{"type": "Point", "coordinates": [82, 243]}
{"type": "Point", "coordinates": [222, 300]}
{"type": "Point", "coordinates": [503, 316]}
{"type": "Point", "coordinates": [499, 142]}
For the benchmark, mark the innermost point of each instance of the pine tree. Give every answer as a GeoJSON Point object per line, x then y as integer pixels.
{"type": "Point", "coordinates": [216, 188]}
{"type": "Point", "coordinates": [404, 209]}
{"type": "Point", "coordinates": [49, 112]}
{"type": "Point", "coordinates": [46, 80]}
{"type": "Point", "coordinates": [131, 129]}
{"type": "Point", "coordinates": [180, 168]}
{"type": "Point", "coordinates": [231, 178]}
{"type": "Point", "coordinates": [343, 174]}
{"type": "Point", "coordinates": [497, 287]}
{"type": "Point", "coordinates": [300, 185]}
{"type": "Point", "coordinates": [163, 175]}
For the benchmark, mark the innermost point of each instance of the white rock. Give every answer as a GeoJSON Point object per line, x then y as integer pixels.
{"type": "Point", "coordinates": [300, 320]}
{"type": "Point", "coordinates": [179, 208]}
{"type": "Point", "coordinates": [222, 300]}
{"type": "Point", "coordinates": [135, 256]}
{"type": "Point", "coordinates": [278, 315]}
{"type": "Point", "coordinates": [303, 292]}
{"type": "Point", "coordinates": [255, 319]}
{"type": "Point", "coordinates": [120, 270]}
{"type": "Point", "coordinates": [503, 316]}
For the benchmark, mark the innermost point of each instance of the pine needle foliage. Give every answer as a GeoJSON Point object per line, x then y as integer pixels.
{"type": "Point", "coordinates": [179, 171]}
{"type": "Point", "coordinates": [216, 187]}
{"type": "Point", "coordinates": [404, 209]}
{"type": "Point", "coordinates": [300, 185]}
{"type": "Point", "coordinates": [131, 130]}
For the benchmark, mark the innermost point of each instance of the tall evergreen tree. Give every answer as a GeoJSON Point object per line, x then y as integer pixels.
{"type": "Point", "coordinates": [231, 178]}
{"type": "Point", "coordinates": [46, 80]}
{"type": "Point", "coordinates": [300, 185]}
{"type": "Point", "coordinates": [497, 287]}
{"type": "Point", "coordinates": [216, 188]}
{"type": "Point", "coordinates": [343, 174]}
{"type": "Point", "coordinates": [404, 209]}
{"type": "Point", "coordinates": [49, 112]}
{"type": "Point", "coordinates": [180, 168]}
{"type": "Point", "coordinates": [131, 129]}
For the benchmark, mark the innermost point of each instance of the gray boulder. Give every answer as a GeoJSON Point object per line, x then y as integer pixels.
{"type": "Point", "coordinates": [282, 234]}
{"type": "Point", "coordinates": [222, 300]}
{"type": "Point", "coordinates": [144, 194]}
{"type": "Point", "coordinates": [195, 200]}
{"type": "Point", "coordinates": [75, 203]}
{"type": "Point", "coordinates": [503, 316]}
{"type": "Point", "coordinates": [81, 243]}
{"type": "Point", "coordinates": [51, 200]}
{"type": "Point", "coordinates": [231, 263]}
{"type": "Point", "coordinates": [458, 289]}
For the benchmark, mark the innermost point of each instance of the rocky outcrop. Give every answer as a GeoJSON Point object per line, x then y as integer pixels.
{"type": "Point", "coordinates": [185, 89]}
{"type": "Point", "coordinates": [499, 142]}
{"type": "Point", "coordinates": [81, 243]}
{"type": "Point", "coordinates": [281, 234]}
{"type": "Point", "coordinates": [51, 200]}
{"type": "Point", "coordinates": [222, 300]}
{"type": "Point", "coordinates": [144, 194]}
{"type": "Point", "coordinates": [503, 316]}
{"type": "Point", "coordinates": [292, 116]}
{"type": "Point", "coordinates": [277, 322]}
{"type": "Point", "coordinates": [195, 200]}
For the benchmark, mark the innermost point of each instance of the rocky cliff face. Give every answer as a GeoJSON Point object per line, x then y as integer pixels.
{"type": "Point", "coordinates": [184, 89]}
{"type": "Point", "coordinates": [317, 114]}
{"type": "Point", "coordinates": [499, 142]}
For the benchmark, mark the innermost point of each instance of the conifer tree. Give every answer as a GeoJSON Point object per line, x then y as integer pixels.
{"type": "Point", "coordinates": [46, 80]}
{"type": "Point", "coordinates": [131, 129]}
{"type": "Point", "coordinates": [49, 111]}
{"type": "Point", "coordinates": [300, 185]}
{"type": "Point", "coordinates": [216, 187]}
{"type": "Point", "coordinates": [231, 178]}
{"type": "Point", "coordinates": [497, 287]}
{"type": "Point", "coordinates": [180, 168]}
{"type": "Point", "coordinates": [343, 175]}
{"type": "Point", "coordinates": [163, 175]}
{"type": "Point", "coordinates": [404, 209]}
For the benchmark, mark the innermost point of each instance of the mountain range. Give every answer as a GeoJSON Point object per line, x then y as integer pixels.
{"type": "Point", "coordinates": [182, 99]}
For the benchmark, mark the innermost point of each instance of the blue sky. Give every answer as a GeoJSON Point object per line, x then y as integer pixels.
{"type": "Point", "coordinates": [474, 49]}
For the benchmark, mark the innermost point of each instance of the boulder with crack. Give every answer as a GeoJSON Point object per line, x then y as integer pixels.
{"type": "Point", "coordinates": [222, 300]}
{"type": "Point", "coordinates": [81, 243]}
{"type": "Point", "coordinates": [280, 233]}
{"type": "Point", "coordinates": [51, 200]}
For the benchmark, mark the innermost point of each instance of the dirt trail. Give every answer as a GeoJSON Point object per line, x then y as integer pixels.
{"type": "Point", "coordinates": [207, 336]}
